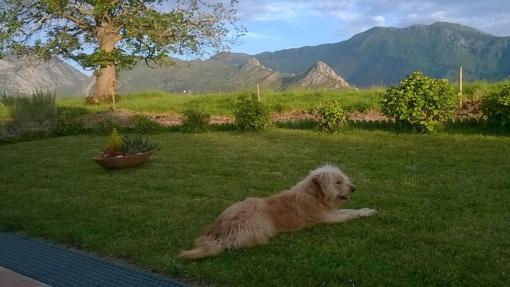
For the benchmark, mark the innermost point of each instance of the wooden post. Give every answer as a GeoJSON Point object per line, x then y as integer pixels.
{"type": "Point", "coordinates": [460, 85]}
{"type": "Point", "coordinates": [258, 92]}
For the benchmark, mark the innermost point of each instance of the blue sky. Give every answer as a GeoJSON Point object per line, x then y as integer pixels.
{"type": "Point", "coordinates": [281, 24]}
{"type": "Point", "coordinates": [275, 25]}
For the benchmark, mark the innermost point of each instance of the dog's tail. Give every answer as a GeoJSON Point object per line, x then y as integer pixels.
{"type": "Point", "coordinates": [202, 249]}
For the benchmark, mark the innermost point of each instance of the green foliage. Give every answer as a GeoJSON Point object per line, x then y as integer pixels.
{"type": "Point", "coordinates": [251, 114]}
{"type": "Point", "coordinates": [136, 29]}
{"type": "Point", "coordinates": [137, 144]}
{"type": "Point", "coordinates": [106, 126]}
{"type": "Point", "coordinates": [144, 125]}
{"type": "Point", "coordinates": [114, 144]}
{"type": "Point", "coordinates": [496, 107]}
{"type": "Point", "coordinates": [331, 116]}
{"type": "Point", "coordinates": [30, 116]}
{"type": "Point", "coordinates": [37, 108]}
{"type": "Point", "coordinates": [420, 103]}
{"type": "Point", "coordinates": [67, 121]}
{"type": "Point", "coordinates": [195, 121]}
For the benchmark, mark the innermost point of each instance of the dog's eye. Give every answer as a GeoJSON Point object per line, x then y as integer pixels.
{"type": "Point", "coordinates": [339, 182]}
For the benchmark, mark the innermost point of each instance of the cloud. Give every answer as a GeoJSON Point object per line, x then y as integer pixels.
{"type": "Point", "coordinates": [264, 11]}
{"type": "Point", "coordinates": [354, 16]}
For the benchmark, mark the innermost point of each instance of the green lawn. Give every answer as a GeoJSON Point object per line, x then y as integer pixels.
{"type": "Point", "coordinates": [443, 201]}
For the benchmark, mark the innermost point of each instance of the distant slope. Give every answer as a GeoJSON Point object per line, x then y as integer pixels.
{"type": "Point", "coordinates": [219, 74]}
{"type": "Point", "coordinates": [222, 73]}
{"type": "Point", "coordinates": [18, 76]}
{"type": "Point", "coordinates": [386, 55]}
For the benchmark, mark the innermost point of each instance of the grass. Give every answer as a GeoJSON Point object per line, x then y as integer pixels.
{"type": "Point", "coordinates": [4, 113]}
{"type": "Point", "coordinates": [443, 201]}
{"type": "Point", "coordinates": [290, 101]}
{"type": "Point", "coordinates": [479, 89]}
{"type": "Point", "coordinates": [222, 104]}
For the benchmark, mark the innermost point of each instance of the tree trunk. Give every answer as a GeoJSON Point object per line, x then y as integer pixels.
{"type": "Point", "coordinates": [106, 77]}
{"type": "Point", "coordinates": [105, 86]}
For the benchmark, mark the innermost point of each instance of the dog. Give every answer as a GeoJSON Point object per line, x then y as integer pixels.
{"type": "Point", "coordinates": [254, 221]}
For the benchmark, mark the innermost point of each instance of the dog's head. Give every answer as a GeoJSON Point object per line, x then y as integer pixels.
{"type": "Point", "coordinates": [331, 184]}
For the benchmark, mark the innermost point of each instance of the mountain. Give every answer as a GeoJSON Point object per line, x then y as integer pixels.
{"type": "Point", "coordinates": [319, 76]}
{"type": "Point", "coordinates": [218, 74]}
{"type": "Point", "coordinates": [379, 56]}
{"type": "Point", "coordinates": [24, 75]}
{"type": "Point", "coordinates": [385, 55]}
{"type": "Point", "coordinates": [224, 72]}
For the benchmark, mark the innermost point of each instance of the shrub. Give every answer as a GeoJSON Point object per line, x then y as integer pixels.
{"type": "Point", "coordinates": [137, 144]}
{"type": "Point", "coordinates": [145, 125]}
{"type": "Point", "coordinates": [496, 107]}
{"type": "Point", "coordinates": [331, 116]}
{"type": "Point", "coordinates": [420, 103]}
{"type": "Point", "coordinates": [250, 114]}
{"type": "Point", "coordinates": [30, 115]}
{"type": "Point", "coordinates": [114, 144]}
{"type": "Point", "coordinates": [195, 121]}
{"type": "Point", "coordinates": [67, 121]}
{"type": "Point", "coordinates": [106, 126]}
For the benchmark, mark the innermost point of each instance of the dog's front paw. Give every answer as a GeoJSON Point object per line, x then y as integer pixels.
{"type": "Point", "coordinates": [366, 212]}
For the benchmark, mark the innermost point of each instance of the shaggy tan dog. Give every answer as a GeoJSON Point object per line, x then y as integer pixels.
{"type": "Point", "coordinates": [253, 221]}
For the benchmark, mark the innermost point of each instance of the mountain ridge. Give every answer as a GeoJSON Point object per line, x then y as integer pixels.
{"type": "Point", "coordinates": [377, 56]}
{"type": "Point", "coordinates": [384, 55]}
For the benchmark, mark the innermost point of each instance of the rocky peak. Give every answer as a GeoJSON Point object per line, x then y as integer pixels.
{"type": "Point", "coordinates": [319, 76]}
{"type": "Point", "coordinates": [321, 67]}
{"type": "Point", "coordinates": [252, 62]}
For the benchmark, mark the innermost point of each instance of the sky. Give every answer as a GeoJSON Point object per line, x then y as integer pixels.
{"type": "Point", "coordinates": [274, 25]}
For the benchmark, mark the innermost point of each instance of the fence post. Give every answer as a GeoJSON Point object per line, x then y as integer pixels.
{"type": "Point", "coordinates": [113, 101]}
{"type": "Point", "coordinates": [460, 85]}
{"type": "Point", "coordinates": [258, 92]}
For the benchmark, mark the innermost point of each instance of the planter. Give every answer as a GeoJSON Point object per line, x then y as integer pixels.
{"type": "Point", "coordinates": [121, 162]}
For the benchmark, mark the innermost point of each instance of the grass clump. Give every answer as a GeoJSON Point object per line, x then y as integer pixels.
{"type": "Point", "coordinates": [195, 121]}
{"type": "Point", "coordinates": [143, 125]}
{"type": "Point", "coordinates": [67, 121]}
{"type": "Point", "coordinates": [250, 114]}
{"type": "Point", "coordinates": [29, 116]}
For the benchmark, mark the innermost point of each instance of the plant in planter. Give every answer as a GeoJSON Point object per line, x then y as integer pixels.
{"type": "Point", "coordinates": [123, 152]}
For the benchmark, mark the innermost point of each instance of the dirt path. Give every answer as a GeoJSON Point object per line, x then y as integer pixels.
{"type": "Point", "coordinates": [123, 118]}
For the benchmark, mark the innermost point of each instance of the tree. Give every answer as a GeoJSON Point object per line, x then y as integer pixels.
{"type": "Point", "coordinates": [109, 35]}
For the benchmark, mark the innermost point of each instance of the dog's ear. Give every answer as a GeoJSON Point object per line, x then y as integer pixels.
{"type": "Point", "coordinates": [319, 183]}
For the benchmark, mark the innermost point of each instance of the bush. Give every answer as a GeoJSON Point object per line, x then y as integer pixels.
{"type": "Point", "coordinates": [250, 114]}
{"type": "Point", "coordinates": [67, 121]}
{"type": "Point", "coordinates": [195, 121]}
{"type": "Point", "coordinates": [30, 116]}
{"type": "Point", "coordinates": [144, 125]}
{"type": "Point", "coordinates": [331, 116]}
{"type": "Point", "coordinates": [420, 103]}
{"type": "Point", "coordinates": [496, 107]}
{"type": "Point", "coordinates": [137, 144]}
{"type": "Point", "coordinates": [106, 126]}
